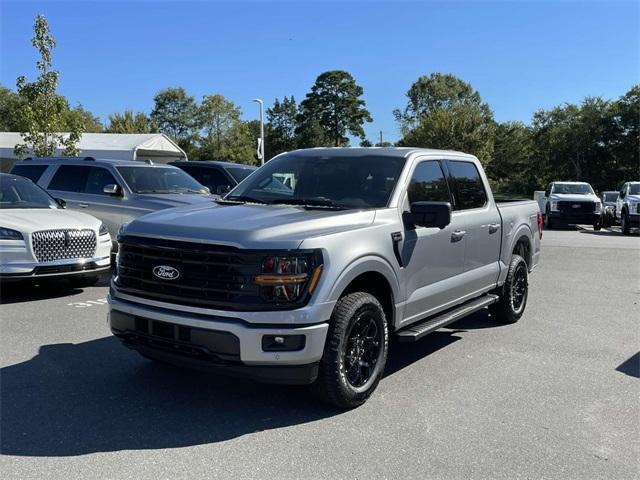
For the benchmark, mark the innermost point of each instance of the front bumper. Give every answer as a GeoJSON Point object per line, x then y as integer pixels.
{"type": "Point", "coordinates": [225, 344]}
{"type": "Point", "coordinates": [575, 218]}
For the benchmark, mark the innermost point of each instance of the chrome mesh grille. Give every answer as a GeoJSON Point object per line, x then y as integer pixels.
{"type": "Point", "coordinates": [50, 245]}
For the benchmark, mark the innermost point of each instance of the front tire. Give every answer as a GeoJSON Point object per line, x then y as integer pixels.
{"type": "Point", "coordinates": [513, 294]}
{"type": "Point", "coordinates": [355, 351]}
{"type": "Point", "coordinates": [597, 226]}
{"type": "Point", "coordinates": [624, 223]}
{"type": "Point", "coordinates": [547, 220]}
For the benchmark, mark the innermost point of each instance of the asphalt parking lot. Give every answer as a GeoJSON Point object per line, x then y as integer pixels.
{"type": "Point", "coordinates": [554, 396]}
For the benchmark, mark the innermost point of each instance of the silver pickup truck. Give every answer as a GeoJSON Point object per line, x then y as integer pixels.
{"type": "Point", "coordinates": [305, 281]}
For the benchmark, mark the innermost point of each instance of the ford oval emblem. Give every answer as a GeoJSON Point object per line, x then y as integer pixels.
{"type": "Point", "coordinates": [576, 205]}
{"type": "Point", "coordinates": [166, 272]}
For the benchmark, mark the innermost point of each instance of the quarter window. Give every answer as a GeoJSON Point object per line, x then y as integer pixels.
{"type": "Point", "coordinates": [470, 191]}
{"type": "Point", "coordinates": [32, 172]}
{"type": "Point", "coordinates": [428, 184]}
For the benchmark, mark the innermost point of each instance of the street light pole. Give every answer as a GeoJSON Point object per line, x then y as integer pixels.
{"type": "Point", "coordinates": [261, 140]}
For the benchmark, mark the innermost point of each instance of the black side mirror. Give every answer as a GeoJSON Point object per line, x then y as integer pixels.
{"type": "Point", "coordinates": [429, 215]}
{"type": "Point", "coordinates": [547, 192]}
{"type": "Point", "coordinates": [622, 193]}
{"type": "Point", "coordinates": [222, 189]}
{"type": "Point", "coordinates": [61, 202]}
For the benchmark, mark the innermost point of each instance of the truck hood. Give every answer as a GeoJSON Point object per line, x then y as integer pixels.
{"type": "Point", "coordinates": [29, 220]}
{"type": "Point", "coordinates": [247, 226]}
{"type": "Point", "coordinates": [170, 200]}
{"type": "Point", "coordinates": [573, 197]}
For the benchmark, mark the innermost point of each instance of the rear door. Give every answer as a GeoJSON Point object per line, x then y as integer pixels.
{"type": "Point", "coordinates": [483, 226]}
{"type": "Point", "coordinates": [433, 259]}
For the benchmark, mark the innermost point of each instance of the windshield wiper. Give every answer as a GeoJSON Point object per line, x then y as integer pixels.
{"type": "Point", "coordinates": [242, 199]}
{"type": "Point", "coordinates": [310, 203]}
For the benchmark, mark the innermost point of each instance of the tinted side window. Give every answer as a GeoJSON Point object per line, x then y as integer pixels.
{"type": "Point", "coordinates": [32, 172]}
{"type": "Point", "coordinates": [428, 184]}
{"type": "Point", "coordinates": [69, 178]}
{"type": "Point", "coordinates": [97, 179]}
{"type": "Point", "coordinates": [209, 177]}
{"type": "Point", "coordinates": [469, 188]}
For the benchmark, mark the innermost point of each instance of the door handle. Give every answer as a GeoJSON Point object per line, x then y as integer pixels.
{"type": "Point", "coordinates": [83, 205]}
{"type": "Point", "coordinates": [457, 235]}
{"type": "Point", "coordinates": [494, 227]}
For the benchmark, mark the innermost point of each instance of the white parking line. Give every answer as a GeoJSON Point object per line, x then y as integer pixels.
{"type": "Point", "coordinates": [88, 303]}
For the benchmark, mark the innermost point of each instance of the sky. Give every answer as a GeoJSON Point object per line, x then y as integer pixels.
{"type": "Point", "coordinates": [521, 56]}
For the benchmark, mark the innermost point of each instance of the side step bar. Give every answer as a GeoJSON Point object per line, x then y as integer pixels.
{"type": "Point", "coordinates": [416, 331]}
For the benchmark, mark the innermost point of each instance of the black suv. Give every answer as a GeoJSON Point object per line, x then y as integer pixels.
{"type": "Point", "coordinates": [219, 177]}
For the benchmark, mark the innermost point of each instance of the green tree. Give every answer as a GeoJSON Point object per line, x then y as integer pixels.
{"type": "Point", "coordinates": [333, 104]}
{"type": "Point", "coordinates": [130, 122]}
{"type": "Point", "coordinates": [90, 123]}
{"type": "Point", "coordinates": [445, 112]}
{"type": "Point", "coordinates": [176, 114]}
{"type": "Point", "coordinates": [42, 110]}
{"type": "Point", "coordinates": [217, 119]}
{"type": "Point", "coordinates": [10, 106]}
{"type": "Point", "coordinates": [513, 166]}
{"type": "Point", "coordinates": [625, 142]}
{"type": "Point", "coordinates": [280, 130]}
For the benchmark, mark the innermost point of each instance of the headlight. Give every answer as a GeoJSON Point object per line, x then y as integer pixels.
{"type": "Point", "coordinates": [598, 207]}
{"type": "Point", "coordinates": [8, 234]}
{"type": "Point", "coordinates": [287, 278]}
{"type": "Point", "coordinates": [554, 205]}
{"type": "Point", "coordinates": [103, 230]}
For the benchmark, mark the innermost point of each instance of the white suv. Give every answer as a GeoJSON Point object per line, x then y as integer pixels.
{"type": "Point", "coordinates": [628, 207]}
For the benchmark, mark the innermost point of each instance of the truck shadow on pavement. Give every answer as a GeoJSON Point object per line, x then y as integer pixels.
{"type": "Point", "coordinates": [97, 396]}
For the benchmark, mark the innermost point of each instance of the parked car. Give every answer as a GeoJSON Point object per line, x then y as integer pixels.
{"type": "Point", "coordinates": [628, 207]}
{"type": "Point", "coordinates": [608, 211]}
{"type": "Point", "coordinates": [39, 239]}
{"type": "Point", "coordinates": [571, 203]}
{"type": "Point", "coordinates": [219, 177]}
{"type": "Point", "coordinates": [306, 285]}
{"type": "Point", "coordinates": [115, 191]}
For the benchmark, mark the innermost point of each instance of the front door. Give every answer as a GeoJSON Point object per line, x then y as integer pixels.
{"type": "Point", "coordinates": [432, 258]}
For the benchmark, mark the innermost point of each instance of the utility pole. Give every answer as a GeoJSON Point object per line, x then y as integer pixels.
{"type": "Point", "coordinates": [380, 138]}
{"type": "Point", "coordinates": [261, 139]}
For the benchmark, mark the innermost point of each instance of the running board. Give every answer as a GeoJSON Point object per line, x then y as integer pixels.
{"type": "Point", "coordinates": [416, 331]}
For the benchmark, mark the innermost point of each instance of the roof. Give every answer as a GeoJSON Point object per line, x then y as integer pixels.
{"type": "Point", "coordinates": [88, 161]}
{"type": "Point", "coordinates": [212, 163]}
{"type": "Point", "coordinates": [131, 146]}
{"type": "Point", "coordinates": [395, 152]}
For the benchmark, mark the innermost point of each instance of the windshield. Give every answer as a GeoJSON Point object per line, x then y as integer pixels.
{"type": "Point", "coordinates": [573, 188]}
{"type": "Point", "coordinates": [634, 189]}
{"type": "Point", "coordinates": [240, 173]}
{"type": "Point", "coordinates": [610, 196]}
{"type": "Point", "coordinates": [17, 192]}
{"type": "Point", "coordinates": [159, 180]}
{"type": "Point", "coordinates": [336, 181]}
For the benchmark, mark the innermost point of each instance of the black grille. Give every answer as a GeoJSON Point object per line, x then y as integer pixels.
{"type": "Point", "coordinates": [210, 276]}
{"type": "Point", "coordinates": [50, 245]}
{"type": "Point", "coordinates": [576, 207]}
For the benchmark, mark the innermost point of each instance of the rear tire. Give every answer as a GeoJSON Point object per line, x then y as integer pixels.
{"type": "Point", "coordinates": [513, 294]}
{"type": "Point", "coordinates": [355, 351]}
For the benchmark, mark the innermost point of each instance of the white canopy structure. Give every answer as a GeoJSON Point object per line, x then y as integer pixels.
{"type": "Point", "coordinates": [123, 146]}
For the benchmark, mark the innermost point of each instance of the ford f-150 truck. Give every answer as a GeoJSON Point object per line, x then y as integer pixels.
{"type": "Point", "coordinates": [305, 284]}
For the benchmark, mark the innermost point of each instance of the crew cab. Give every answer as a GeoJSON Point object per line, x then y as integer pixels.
{"type": "Point", "coordinates": [628, 207]}
{"type": "Point", "coordinates": [306, 285]}
{"type": "Point", "coordinates": [571, 203]}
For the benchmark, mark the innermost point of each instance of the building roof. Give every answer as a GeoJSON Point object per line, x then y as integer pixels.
{"type": "Point", "coordinates": [125, 146]}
